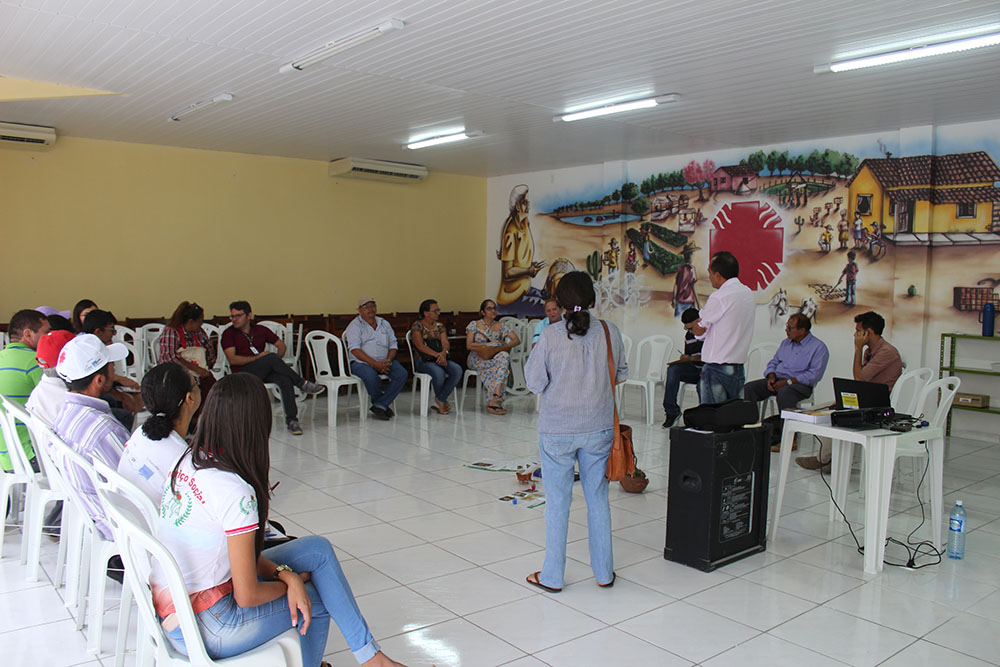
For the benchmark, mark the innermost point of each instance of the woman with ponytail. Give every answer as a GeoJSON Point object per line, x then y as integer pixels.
{"type": "Point", "coordinates": [184, 342]}
{"type": "Point", "coordinates": [212, 516]}
{"type": "Point", "coordinates": [569, 368]}
{"type": "Point", "coordinates": [151, 453]}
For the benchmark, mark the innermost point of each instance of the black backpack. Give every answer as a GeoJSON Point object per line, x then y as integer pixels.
{"type": "Point", "coordinates": [722, 417]}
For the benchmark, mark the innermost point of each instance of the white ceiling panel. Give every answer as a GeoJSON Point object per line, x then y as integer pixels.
{"type": "Point", "coordinates": [744, 69]}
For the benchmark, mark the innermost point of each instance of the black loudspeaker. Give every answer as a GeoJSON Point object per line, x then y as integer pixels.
{"type": "Point", "coordinates": [717, 496]}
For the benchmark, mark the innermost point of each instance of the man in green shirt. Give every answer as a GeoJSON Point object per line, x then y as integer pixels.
{"type": "Point", "coordinates": [19, 371]}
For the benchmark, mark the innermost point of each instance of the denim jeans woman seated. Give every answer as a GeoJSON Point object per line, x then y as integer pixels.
{"type": "Point", "coordinates": [228, 629]}
{"type": "Point", "coordinates": [443, 378]}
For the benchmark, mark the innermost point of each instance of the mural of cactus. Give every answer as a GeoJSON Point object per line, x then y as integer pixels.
{"type": "Point", "coordinates": [594, 266]}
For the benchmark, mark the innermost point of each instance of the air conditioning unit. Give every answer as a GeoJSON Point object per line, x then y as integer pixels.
{"type": "Point", "coordinates": [378, 170]}
{"type": "Point", "coordinates": [32, 137]}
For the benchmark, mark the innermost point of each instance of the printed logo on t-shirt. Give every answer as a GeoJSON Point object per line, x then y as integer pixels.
{"type": "Point", "coordinates": [248, 505]}
{"type": "Point", "coordinates": [175, 507]}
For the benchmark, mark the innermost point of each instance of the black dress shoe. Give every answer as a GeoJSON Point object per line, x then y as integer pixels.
{"type": "Point", "coordinates": [669, 421]}
{"type": "Point", "coordinates": [389, 412]}
{"type": "Point", "coordinates": [379, 413]}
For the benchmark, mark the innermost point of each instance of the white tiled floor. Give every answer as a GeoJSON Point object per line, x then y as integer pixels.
{"type": "Point", "coordinates": [438, 564]}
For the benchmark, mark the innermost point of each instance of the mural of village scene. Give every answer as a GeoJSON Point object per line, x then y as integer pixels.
{"type": "Point", "coordinates": [824, 232]}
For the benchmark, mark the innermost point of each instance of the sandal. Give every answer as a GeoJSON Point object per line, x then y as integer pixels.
{"type": "Point", "coordinates": [614, 575]}
{"type": "Point", "coordinates": [495, 410]}
{"type": "Point", "coordinates": [533, 580]}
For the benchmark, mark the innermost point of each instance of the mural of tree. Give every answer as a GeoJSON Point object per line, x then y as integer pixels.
{"type": "Point", "coordinates": [640, 206]}
{"type": "Point", "coordinates": [699, 175]}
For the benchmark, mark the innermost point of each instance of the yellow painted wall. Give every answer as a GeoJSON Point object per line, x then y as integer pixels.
{"type": "Point", "coordinates": [865, 183]}
{"type": "Point", "coordinates": [944, 219]}
{"type": "Point", "coordinates": [138, 228]}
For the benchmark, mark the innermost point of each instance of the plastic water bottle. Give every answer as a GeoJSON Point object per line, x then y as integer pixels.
{"type": "Point", "coordinates": [956, 531]}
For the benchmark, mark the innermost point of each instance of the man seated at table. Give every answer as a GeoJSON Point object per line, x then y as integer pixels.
{"type": "Point", "coordinates": [686, 369]}
{"type": "Point", "coordinates": [795, 369]}
{"type": "Point", "coordinates": [553, 313]}
{"type": "Point", "coordinates": [243, 344]}
{"type": "Point", "coordinates": [880, 362]}
{"type": "Point", "coordinates": [373, 347]}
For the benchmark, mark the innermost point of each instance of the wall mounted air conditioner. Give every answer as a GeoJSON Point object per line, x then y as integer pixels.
{"type": "Point", "coordinates": [32, 137]}
{"type": "Point", "coordinates": [377, 170]}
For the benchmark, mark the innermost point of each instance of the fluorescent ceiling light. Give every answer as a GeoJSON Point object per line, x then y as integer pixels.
{"type": "Point", "coordinates": [926, 51]}
{"type": "Point", "coordinates": [338, 45]}
{"type": "Point", "coordinates": [202, 104]}
{"type": "Point", "coordinates": [444, 139]}
{"type": "Point", "coordinates": [618, 108]}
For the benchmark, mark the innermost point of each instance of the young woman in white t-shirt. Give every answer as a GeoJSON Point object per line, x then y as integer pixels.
{"type": "Point", "coordinates": [212, 516]}
{"type": "Point", "coordinates": [172, 396]}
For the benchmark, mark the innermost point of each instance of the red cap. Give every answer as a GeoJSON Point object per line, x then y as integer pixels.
{"type": "Point", "coordinates": [47, 352]}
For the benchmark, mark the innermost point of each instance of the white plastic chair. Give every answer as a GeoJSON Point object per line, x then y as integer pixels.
{"type": "Point", "coordinates": [42, 489]}
{"type": "Point", "coordinates": [149, 336]}
{"type": "Point", "coordinates": [757, 359]}
{"type": "Point", "coordinates": [134, 338]}
{"type": "Point", "coordinates": [657, 350]}
{"type": "Point", "coordinates": [424, 381]}
{"type": "Point", "coordinates": [137, 546]}
{"type": "Point", "coordinates": [316, 343]}
{"type": "Point", "coordinates": [518, 355]}
{"type": "Point", "coordinates": [284, 333]}
{"type": "Point", "coordinates": [466, 376]}
{"type": "Point", "coordinates": [96, 550]}
{"type": "Point", "coordinates": [221, 367]}
{"type": "Point", "coordinates": [18, 476]}
{"type": "Point", "coordinates": [934, 403]}
{"type": "Point", "coordinates": [132, 370]}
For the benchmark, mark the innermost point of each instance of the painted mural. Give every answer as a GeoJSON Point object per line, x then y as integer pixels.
{"type": "Point", "coordinates": [827, 229]}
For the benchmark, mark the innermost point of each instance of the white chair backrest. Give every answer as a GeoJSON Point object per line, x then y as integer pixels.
{"type": "Point", "coordinates": [936, 399]}
{"type": "Point", "coordinates": [40, 431]}
{"type": "Point", "coordinates": [134, 369]}
{"type": "Point", "coordinates": [316, 343]}
{"type": "Point", "coordinates": [221, 362]}
{"type": "Point", "coordinates": [413, 358]}
{"type": "Point", "coordinates": [4, 340]}
{"type": "Point", "coordinates": [126, 335]}
{"type": "Point", "coordinates": [110, 479]}
{"type": "Point", "coordinates": [11, 412]}
{"type": "Point", "coordinates": [757, 359]}
{"type": "Point", "coordinates": [627, 342]}
{"type": "Point", "coordinates": [657, 350]}
{"type": "Point", "coordinates": [908, 388]}
{"type": "Point", "coordinates": [280, 330]}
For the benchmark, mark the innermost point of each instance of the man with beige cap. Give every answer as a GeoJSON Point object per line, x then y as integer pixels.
{"type": "Point", "coordinates": [372, 344]}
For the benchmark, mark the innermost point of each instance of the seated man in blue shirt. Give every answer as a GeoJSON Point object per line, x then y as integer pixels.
{"type": "Point", "coordinates": [686, 369]}
{"type": "Point", "coordinates": [553, 313]}
{"type": "Point", "coordinates": [796, 368]}
{"type": "Point", "coordinates": [372, 344]}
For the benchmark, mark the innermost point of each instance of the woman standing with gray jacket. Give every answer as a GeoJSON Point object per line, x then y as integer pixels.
{"type": "Point", "coordinates": [569, 368]}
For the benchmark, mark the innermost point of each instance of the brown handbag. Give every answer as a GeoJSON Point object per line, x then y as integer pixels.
{"type": "Point", "coordinates": [621, 460]}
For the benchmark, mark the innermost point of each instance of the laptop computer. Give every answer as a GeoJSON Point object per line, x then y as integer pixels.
{"type": "Point", "coordinates": [856, 395]}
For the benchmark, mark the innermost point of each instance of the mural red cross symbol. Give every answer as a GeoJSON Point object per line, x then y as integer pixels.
{"type": "Point", "coordinates": [752, 232]}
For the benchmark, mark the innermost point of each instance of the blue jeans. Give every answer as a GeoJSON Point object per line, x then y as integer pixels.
{"type": "Point", "coordinates": [680, 307]}
{"type": "Point", "coordinates": [228, 629]}
{"type": "Point", "coordinates": [687, 372]}
{"type": "Point", "coordinates": [559, 454]}
{"type": "Point", "coordinates": [850, 297]}
{"type": "Point", "coordinates": [721, 382]}
{"type": "Point", "coordinates": [444, 379]}
{"type": "Point", "coordinates": [368, 375]}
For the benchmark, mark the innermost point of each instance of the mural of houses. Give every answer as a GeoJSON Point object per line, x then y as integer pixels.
{"type": "Point", "coordinates": [740, 178]}
{"type": "Point", "coordinates": [929, 199]}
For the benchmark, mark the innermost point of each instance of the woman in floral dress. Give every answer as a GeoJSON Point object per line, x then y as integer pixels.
{"type": "Point", "coordinates": [489, 342]}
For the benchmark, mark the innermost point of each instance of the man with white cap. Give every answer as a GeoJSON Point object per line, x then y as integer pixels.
{"type": "Point", "coordinates": [373, 347]}
{"type": "Point", "coordinates": [85, 422]}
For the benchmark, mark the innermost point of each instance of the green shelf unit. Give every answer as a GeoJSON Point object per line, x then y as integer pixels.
{"type": "Point", "coordinates": [949, 342]}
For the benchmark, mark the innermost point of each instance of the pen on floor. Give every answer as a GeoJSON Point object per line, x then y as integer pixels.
{"type": "Point", "coordinates": [275, 486]}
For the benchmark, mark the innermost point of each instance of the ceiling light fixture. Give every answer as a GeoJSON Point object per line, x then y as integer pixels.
{"type": "Point", "coordinates": [618, 108]}
{"type": "Point", "coordinates": [926, 51]}
{"type": "Point", "coordinates": [201, 104]}
{"type": "Point", "coordinates": [338, 45]}
{"type": "Point", "coordinates": [444, 139]}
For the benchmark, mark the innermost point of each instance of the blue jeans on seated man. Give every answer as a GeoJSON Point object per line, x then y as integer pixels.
{"type": "Point", "coordinates": [443, 378]}
{"type": "Point", "coordinates": [685, 372]}
{"type": "Point", "coordinates": [228, 629]}
{"type": "Point", "coordinates": [721, 382]}
{"type": "Point", "coordinates": [368, 375]}
{"type": "Point", "coordinates": [559, 455]}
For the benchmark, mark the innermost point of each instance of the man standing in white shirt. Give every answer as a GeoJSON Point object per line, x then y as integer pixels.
{"type": "Point", "coordinates": [726, 326]}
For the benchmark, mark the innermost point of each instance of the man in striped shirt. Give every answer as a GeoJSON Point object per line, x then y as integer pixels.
{"type": "Point", "coordinates": [19, 372]}
{"type": "Point", "coordinates": [85, 422]}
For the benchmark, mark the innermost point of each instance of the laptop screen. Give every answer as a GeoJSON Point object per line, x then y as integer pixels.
{"type": "Point", "coordinates": [855, 394]}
